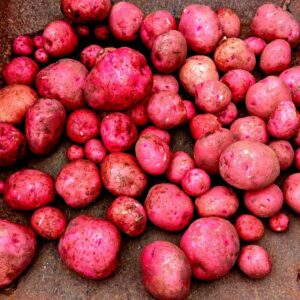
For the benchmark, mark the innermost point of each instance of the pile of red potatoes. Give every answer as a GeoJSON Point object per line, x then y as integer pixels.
{"type": "Point", "coordinates": [118, 106]}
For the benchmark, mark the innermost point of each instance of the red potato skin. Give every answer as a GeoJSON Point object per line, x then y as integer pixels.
{"type": "Point", "coordinates": [49, 222]}
{"type": "Point", "coordinates": [208, 263]}
{"type": "Point", "coordinates": [296, 138]}
{"type": "Point", "coordinates": [83, 30]}
{"type": "Point", "coordinates": [17, 250]}
{"type": "Point", "coordinates": [284, 152]}
{"type": "Point", "coordinates": [102, 53]}
{"type": "Point", "coordinates": [22, 45]}
{"type": "Point", "coordinates": [138, 113]}
{"type": "Point", "coordinates": [29, 189]}
{"type": "Point", "coordinates": [41, 56]}
{"type": "Point", "coordinates": [190, 109]}
{"type": "Point", "coordinates": [291, 77]}
{"type": "Point", "coordinates": [297, 159]}
{"type": "Point", "coordinates": [166, 272]}
{"type": "Point", "coordinates": [165, 83]}
{"type": "Point", "coordinates": [279, 223]}
{"type": "Point", "coordinates": [291, 192]}
{"type": "Point", "coordinates": [256, 44]}
{"type": "Point", "coordinates": [228, 115]}
{"type": "Point", "coordinates": [102, 33]}
{"type": "Point", "coordinates": [95, 151]}
{"type": "Point", "coordinates": [38, 41]}
{"type": "Point", "coordinates": [168, 207]}
{"type": "Point", "coordinates": [44, 126]}
{"type": "Point", "coordinates": [75, 152]}
{"type": "Point", "coordinates": [90, 247]}
{"type": "Point", "coordinates": [128, 215]}
{"type": "Point", "coordinates": [88, 55]}
{"type": "Point", "coordinates": [122, 176]}
{"type": "Point", "coordinates": [160, 133]}
{"type": "Point", "coordinates": [230, 22]}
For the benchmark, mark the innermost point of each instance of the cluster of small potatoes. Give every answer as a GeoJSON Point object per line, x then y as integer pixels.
{"type": "Point", "coordinates": [117, 114]}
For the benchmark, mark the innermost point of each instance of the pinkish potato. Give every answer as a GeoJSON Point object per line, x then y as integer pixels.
{"type": "Point", "coordinates": [230, 22]}
{"type": "Point", "coordinates": [264, 203]}
{"type": "Point", "coordinates": [250, 128]}
{"type": "Point", "coordinates": [228, 115]}
{"type": "Point", "coordinates": [196, 70]}
{"type": "Point", "coordinates": [2, 186]}
{"type": "Point", "coordinates": [162, 134]}
{"type": "Point", "coordinates": [190, 109]}
{"type": "Point", "coordinates": [255, 261]}
{"type": "Point", "coordinates": [256, 44]}
{"type": "Point", "coordinates": [22, 45]}
{"type": "Point", "coordinates": [83, 30]}
{"type": "Point", "coordinates": [82, 125]}
{"type": "Point", "coordinates": [284, 152]}
{"type": "Point", "coordinates": [60, 38]}
{"type": "Point", "coordinates": [138, 113]}
{"type": "Point", "coordinates": [249, 228]}
{"type": "Point", "coordinates": [166, 271]}
{"type": "Point", "coordinates": [128, 215]}
{"type": "Point", "coordinates": [291, 191]}
{"type": "Point", "coordinates": [165, 83]}
{"type": "Point", "coordinates": [166, 110]}
{"type": "Point", "coordinates": [82, 11]}
{"type": "Point", "coordinates": [219, 201]}
{"type": "Point", "coordinates": [17, 250]}
{"type": "Point", "coordinates": [49, 222]}
{"type": "Point", "coordinates": [118, 132]}
{"type": "Point", "coordinates": [94, 151]}
{"type": "Point", "coordinates": [85, 244]}
{"type": "Point", "coordinates": [122, 176]}
{"type": "Point", "coordinates": [155, 24]}
{"type": "Point", "coordinates": [208, 149]}
{"type": "Point", "coordinates": [201, 27]}
{"type": "Point", "coordinates": [212, 96]}
{"type": "Point", "coordinates": [125, 21]}
{"type": "Point", "coordinates": [89, 54]}
{"type": "Point", "coordinates": [153, 154]}
{"type": "Point", "coordinates": [297, 159]}
{"type": "Point", "coordinates": [20, 70]}
{"type": "Point", "coordinates": [75, 152]}
{"type": "Point", "coordinates": [118, 81]}
{"type": "Point", "coordinates": [101, 32]}
{"type": "Point", "coordinates": [169, 51]}
{"type": "Point", "coordinates": [64, 81]}
{"type": "Point", "coordinates": [180, 163]}
{"type": "Point", "coordinates": [38, 41]}
{"type": "Point", "coordinates": [279, 223]}
{"type": "Point", "coordinates": [212, 246]}
{"type": "Point", "coordinates": [264, 96]}
{"type": "Point", "coordinates": [29, 189]}
{"type": "Point", "coordinates": [12, 145]}
{"type": "Point", "coordinates": [268, 24]}
{"type": "Point", "coordinates": [101, 54]}
{"type": "Point", "coordinates": [41, 56]}
{"type": "Point", "coordinates": [168, 207]}
{"type": "Point", "coordinates": [239, 81]}
{"type": "Point", "coordinates": [234, 53]}
{"type": "Point", "coordinates": [241, 165]}
{"type": "Point", "coordinates": [44, 125]}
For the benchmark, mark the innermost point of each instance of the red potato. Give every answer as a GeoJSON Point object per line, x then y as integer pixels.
{"type": "Point", "coordinates": [160, 133]}
{"type": "Point", "coordinates": [128, 215]}
{"type": "Point", "coordinates": [119, 80]}
{"type": "Point", "coordinates": [228, 115]}
{"type": "Point", "coordinates": [118, 132]}
{"type": "Point", "coordinates": [249, 228]}
{"type": "Point", "coordinates": [78, 183]}
{"type": "Point", "coordinates": [219, 201]}
{"type": "Point", "coordinates": [241, 165]}
{"type": "Point", "coordinates": [44, 126]}
{"type": "Point", "coordinates": [125, 21]}
{"type": "Point", "coordinates": [138, 113]}
{"type": "Point", "coordinates": [153, 154]}
{"type": "Point", "coordinates": [166, 272]}
{"type": "Point", "coordinates": [230, 22]}
{"type": "Point", "coordinates": [279, 223]}
{"type": "Point", "coordinates": [49, 222]}
{"type": "Point", "coordinates": [95, 151]}
{"type": "Point", "coordinates": [256, 44]}
{"type": "Point", "coordinates": [89, 54]}
{"type": "Point", "coordinates": [38, 41]}
{"type": "Point", "coordinates": [17, 250]}
{"type": "Point", "coordinates": [291, 191]}
{"type": "Point", "coordinates": [90, 247]}
{"type": "Point", "coordinates": [122, 176]}
{"type": "Point", "coordinates": [284, 152]}
{"type": "Point", "coordinates": [102, 53]}
{"type": "Point", "coordinates": [255, 261]}
{"type": "Point", "coordinates": [297, 159]}
{"type": "Point", "coordinates": [64, 81]}
{"type": "Point", "coordinates": [201, 27]}
{"type": "Point", "coordinates": [214, 261]}
{"type": "Point", "coordinates": [264, 203]}
{"type": "Point", "coordinates": [12, 145]}
{"type": "Point", "coordinates": [22, 45]}
{"type": "Point", "coordinates": [41, 56]}
{"type": "Point", "coordinates": [75, 152]}
{"type": "Point", "coordinates": [155, 24]}
{"type": "Point", "coordinates": [234, 53]}
{"type": "Point", "coordinates": [101, 32]}
{"type": "Point", "coordinates": [83, 30]}
{"type": "Point", "coordinates": [29, 189]}
{"type": "Point", "coordinates": [60, 38]}
{"type": "Point", "coordinates": [2, 186]}
{"type": "Point", "coordinates": [165, 83]}
{"type": "Point", "coordinates": [168, 207]}
{"type": "Point", "coordinates": [190, 109]}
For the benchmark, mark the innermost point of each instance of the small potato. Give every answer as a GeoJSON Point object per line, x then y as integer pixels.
{"type": "Point", "coordinates": [41, 56]}
{"type": "Point", "coordinates": [162, 134]}
{"type": "Point", "coordinates": [83, 30]}
{"type": "Point", "coordinates": [279, 223]}
{"type": "Point", "coordinates": [291, 191]}
{"type": "Point", "coordinates": [264, 203]}
{"type": "Point", "coordinates": [138, 113]}
{"type": "Point", "coordinates": [219, 201]}
{"type": "Point", "coordinates": [166, 271]}
{"type": "Point", "coordinates": [284, 152]}
{"type": "Point", "coordinates": [230, 22]}
{"type": "Point", "coordinates": [215, 261]}
{"type": "Point", "coordinates": [89, 54]}
{"type": "Point", "coordinates": [168, 207]}
{"type": "Point", "coordinates": [102, 32]}
{"type": "Point", "coordinates": [78, 183]}
{"type": "Point", "coordinates": [29, 189]}
{"type": "Point", "coordinates": [190, 109]}
{"type": "Point", "coordinates": [122, 176]}
{"type": "Point", "coordinates": [75, 152]}
{"type": "Point", "coordinates": [228, 115]}
{"type": "Point", "coordinates": [128, 215]}
{"type": "Point", "coordinates": [38, 41]}
{"type": "Point", "coordinates": [256, 44]}
{"type": "Point", "coordinates": [22, 45]}
{"type": "Point", "coordinates": [94, 151]}
{"type": "Point", "coordinates": [165, 83]}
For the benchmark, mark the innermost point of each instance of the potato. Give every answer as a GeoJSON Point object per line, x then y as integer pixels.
{"type": "Point", "coordinates": [228, 115]}
{"type": "Point", "coordinates": [219, 201]}
{"type": "Point", "coordinates": [168, 207]}
{"type": "Point", "coordinates": [28, 189]}
{"type": "Point", "coordinates": [89, 54]}
{"type": "Point", "coordinates": [86, 242]}
{"type": "Point", "coordinates": [22, 45]}
{"type": "Point", "coordinates": [297, 159]}
{"type": "Point", "coordinates": [78, 183]}
{"type": "Point", "coordinates": [284, 152]}
{"type": "Point", "coordinates": [44, 126]}
{"type": "Point", "coordinates": [102, 32]}
{"type": "Point", "coordinates": [138, 113]}
{"type": "Point", "coordinates": [241, 165]}
{"type": "Point", "coordinates": [162, 134]}
{"type": "Point", "coordinates": [95, 151]}
{"type": "Point", "coordinates": [190, 109]}
{"type": "Point", "coordinates": [279, 223]}
{"type": "Point", "coordinates": [291, 190]}
{"type": "Point", "coordinates": [230, 22]}
{"type": "Point", "coordinates": [83, 30]}
{"type": "Point", "coordinates": [212, 246]}
{"type": "Point", "coordinates": [15, 100]}
{"type": "Point", "coordinates": [75, 152]}
{"type": "Point", "coordinates": [122, 176]}
{"type": "Point", "coordinates": [38, 41]}
{"type": "Point", "coordinates": [165, 83]}
{"type": "Point", "coordinates": [201, 27]}
{"type": "Point", "coordinates": [17, 250]}
{"type": "Point", "coordinates": [102, 53]}
{"type": "Point", "coordinates": [256, 44]}
{"type": "Point", "coordinates": [41, 56]}
{"type": "Point", "coordinates": [166, 271]}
